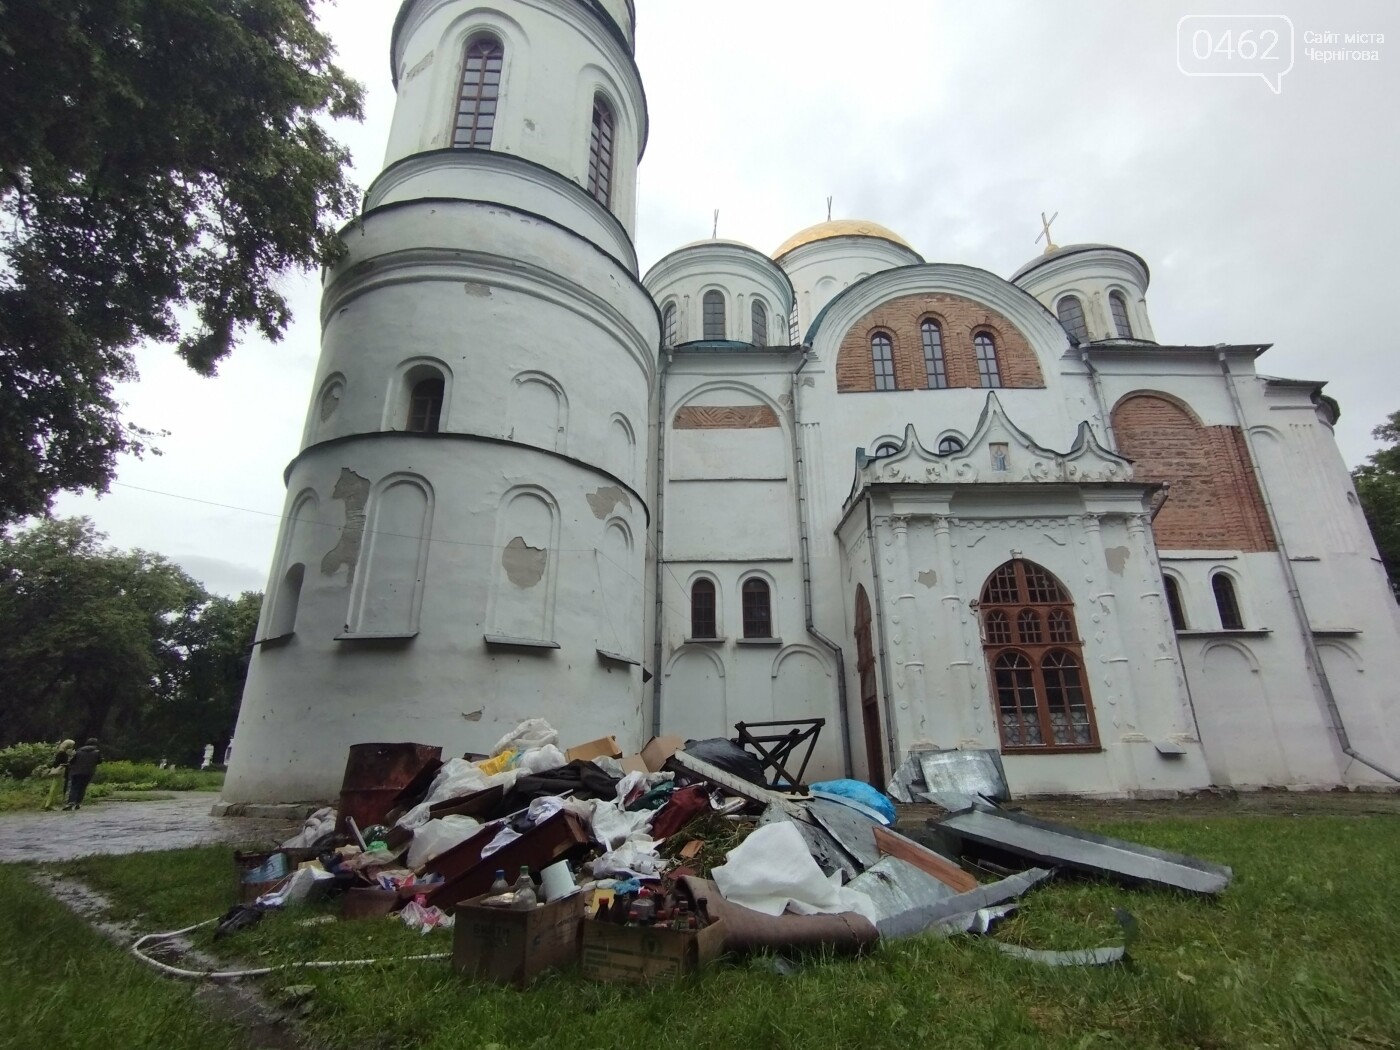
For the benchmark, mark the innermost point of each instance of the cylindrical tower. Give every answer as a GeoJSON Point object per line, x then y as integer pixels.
{"type": "Point", "coordinates": [465, 531]}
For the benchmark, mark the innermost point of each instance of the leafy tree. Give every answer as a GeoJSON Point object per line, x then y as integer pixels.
{"type": "Point", "coordinates": [1378, 486]}
{"type": "Point", "coordinates": [163, 163]}
{"type": "Point", "coordinates": [120, 645]}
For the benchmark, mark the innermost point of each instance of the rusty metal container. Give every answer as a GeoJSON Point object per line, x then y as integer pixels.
{"type": "Point", "coordinates": [374, 775]}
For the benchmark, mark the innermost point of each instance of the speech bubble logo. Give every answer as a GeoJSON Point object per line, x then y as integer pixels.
{"type": "Point", "coordinates": [1236, 46]}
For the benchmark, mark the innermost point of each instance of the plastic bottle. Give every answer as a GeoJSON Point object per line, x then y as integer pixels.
{"type": "Point", "coordinates": [524, 882]}
{"type": "Point", "coordinates": [500, 885]}
{"type": "Point", "coordinates": [525, 897]}
{"type": "Point", "coordinates": [646, 907]}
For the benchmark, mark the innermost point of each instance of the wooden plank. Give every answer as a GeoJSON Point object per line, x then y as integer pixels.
{"type": "Point", "coordinates": [927, 861]}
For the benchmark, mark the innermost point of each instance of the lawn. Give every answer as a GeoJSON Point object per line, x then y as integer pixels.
{"type": "Point", "coordinates": [1303, 951]}
{"type": "Point", "coordinates": [114, 780]}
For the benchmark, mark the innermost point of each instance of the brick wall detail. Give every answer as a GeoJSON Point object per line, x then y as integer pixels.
{"type": "Point", "coordinates": [960, 319]}
{"type": "Point", "coordinates": [1214, 501]}
{"type": "Point", "coordinates": [725, 417]}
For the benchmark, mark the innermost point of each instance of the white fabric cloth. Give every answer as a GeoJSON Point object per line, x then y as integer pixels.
{"type": "Point", "coordinates": [771, 871]}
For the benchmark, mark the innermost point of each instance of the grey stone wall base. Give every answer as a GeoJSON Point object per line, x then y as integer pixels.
{"type": "Point", "coordinates": [267, 810]}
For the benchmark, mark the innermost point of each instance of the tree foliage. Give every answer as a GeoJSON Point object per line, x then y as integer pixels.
{"type": "Point", "coordinates": [1378, 486]}
{"type": "Point", "coordinates": [163, 163]}
{"type": "Point", "coordinates": [122, 645]}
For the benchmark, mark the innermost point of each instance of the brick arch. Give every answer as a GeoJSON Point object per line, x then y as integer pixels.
{"type": "Point", "coordinates": [960, 318]}
{"type": "Point", "coordinates": [1214, 501]}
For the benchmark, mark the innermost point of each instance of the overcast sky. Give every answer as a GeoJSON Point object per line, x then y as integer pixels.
{"type": "Point", "coordinates": [1264, 217]}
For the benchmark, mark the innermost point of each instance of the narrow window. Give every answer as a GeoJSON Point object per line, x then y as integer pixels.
{"type": "Point", "coordinates": [1071, 313]}
{"type": "Point", "coordinates": [714, 315]}
{"type": "Point", "coordinates": [987, 369]}
{"type": "Point", "coordinates": [702, 610]}
{"type": "Point", "coordinates": [600, 152]}
{"type": "Point", "coordinates": [758, 610]}
{"type": "Point", "coordinates": [284, 616]}
{"type": "Point", "coordinates": [1041, 692]}
{"type": "Point", "coordinates": [760, 323]}
{"type": "Point", "coordinates": [1174, 606]}
{"type": "Point", "coordinates": [425, 406]}
{"type": "Point", "coordinates": [882, 354]}
{"type": "Point", "coordinates": [1118, 306]}
{"type": "Point", "coordinates": [668, 325]}
{"type": "Point", "coordinates": [933, 355]}
{"type": "Point", "coordinates": [1224, 588]}
{"type": "Point", "coordinates": [792, 325]}
{"type": "Point", "coordinates": [478, 94]}
{"type": "Point", "coordinates": [949, 445]}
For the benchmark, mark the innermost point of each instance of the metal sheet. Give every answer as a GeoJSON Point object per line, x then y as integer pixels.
{"type": "Point", "coordinates": [958, 779]}
{"type": "Point", "coordinates": [907, 779]}
{"type": "Point", "coordinates": [958, 913]}
{"type": "Point", "coordinates": [825, 850]}
{"type": "Point", "coordinates": [1044, 843]}
{"type": "Point", "coordinates": [1083, 956]}
{"type": "Point", "coordinates": [896, 887]}
{"type": "Point", "coordinates": [855, 832]}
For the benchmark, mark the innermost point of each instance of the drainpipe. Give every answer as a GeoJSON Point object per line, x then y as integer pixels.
{"type": "Point", "coordinates": [836, 650]}
{"type": "Point", "coordinates": [1314, 662]}
{"type": "Point", "coordinates": [1099, 398]}
{"type": "Point", "coordinates": [880, 632]}
{"type": "Point", "coordinates": [660, 530]}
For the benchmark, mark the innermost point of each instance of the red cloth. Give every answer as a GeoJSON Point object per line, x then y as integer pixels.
{"type": "Point", "coordinates": [685, 805]}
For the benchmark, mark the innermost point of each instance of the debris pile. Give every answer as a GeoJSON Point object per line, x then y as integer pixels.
{"type": "Point", "coordinates": [652, 865]}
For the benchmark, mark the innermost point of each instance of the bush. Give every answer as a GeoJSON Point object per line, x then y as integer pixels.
{"type": "Point", "coordinates": [143, 776]}
{"type": "Point", "coordinates": [21, 760]}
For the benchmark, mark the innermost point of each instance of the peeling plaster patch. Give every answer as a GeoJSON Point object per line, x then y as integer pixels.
{"type": "Point", "coordinates": [606, 499]}
{"type": "Point", "coordinates": [424, 63]}
{"type": "Point", "coordinates": [529, 125]}
{"type": "Point", "coordinates": [353, 490]}
{"type": "Point", "coordinates": [928, 577]}
{"type": "Point", "coordinates": [473, 716]}
{"type": "Point", "coordinates": [1117, 558]}
{"type": "Point", "coordinates": [524, 564]}
{"type": "Point", "coordinates": [477, 289]}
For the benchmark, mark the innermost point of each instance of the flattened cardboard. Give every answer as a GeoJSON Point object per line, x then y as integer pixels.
{"type": "Point", "coordinates": [603, 747]}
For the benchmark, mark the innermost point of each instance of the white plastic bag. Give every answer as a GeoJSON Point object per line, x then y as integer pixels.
{"type": "Point", "coordinates": [635, 858]}
{"type": "Point", "coordinates": [438, 836]}
{"type": "Point", "coordinates": [538, 759]}
{"type": "Point", "coordinates": [531, 733]}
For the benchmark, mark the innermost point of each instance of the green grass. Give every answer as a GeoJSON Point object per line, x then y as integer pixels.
{"type": "Point", "coordinates": [120, 779]}
{"type": "Point", "coordinates": [1303, 951]}
{"type": "Point", "coordinates": [64, 986]}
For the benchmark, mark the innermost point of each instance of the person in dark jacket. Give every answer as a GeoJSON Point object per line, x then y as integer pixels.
{"type": "Point", "coordinates": [80, 772]}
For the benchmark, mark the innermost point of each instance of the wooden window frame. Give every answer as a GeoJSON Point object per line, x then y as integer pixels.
{"type": "Point", "coordinates": [478, 97]}
{"type": "Point", "coordinates": [715, 314]}
{"type": "Point", "coordinates": [935, 360]}
{"type": "Point", "coordinates": [1227, 601]}
{"type": "Point", "coordinates": [704, 591]}
{"type": "Point", "coordinates": [882, 353]}
{"type": "Point", "coordinates": [425, 406]}
{"type": "Point", "coordinates": [670, 324]}
{"type": "Point", "coordinates": [1176, 609]}
{"type": "Point", "coordinates": [1014, 594]}
{"type": "Point", "coordinates": [1118, 309]}
{"type": "Point", "coordinates": [602, 148]}
{"type": "Point", "coordinates": [752, 612]}
{"type": "Point", "coordinates": [758, 323]}
{"type": "Point", "coordinates": [988, 364]}
{"type": "Point", "coordinates": [1077, 323]}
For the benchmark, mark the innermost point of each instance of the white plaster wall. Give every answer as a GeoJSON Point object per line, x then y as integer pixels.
{"type": "Point", "coordinates": [1092, 276]}
{"type": "Point", "coordinates": [557, 57]}
{"type": "Point", "coordinates": [740, 272]}
{"type": "Point", "coordinates": [309, 699]}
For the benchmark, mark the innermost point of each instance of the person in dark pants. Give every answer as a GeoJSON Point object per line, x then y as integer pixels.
{"type": "Point", "coordinates": [80, 772]}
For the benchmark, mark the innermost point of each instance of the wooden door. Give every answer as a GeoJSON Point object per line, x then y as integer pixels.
{"type": "Point", "coordinates": [869, 699]}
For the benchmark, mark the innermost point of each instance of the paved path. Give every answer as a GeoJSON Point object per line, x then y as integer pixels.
{"type": "Point", "coordinates": [129, 827]}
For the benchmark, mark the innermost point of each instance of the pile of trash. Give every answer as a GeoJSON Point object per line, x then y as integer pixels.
{"type": "Point", "coordinates": [685, 843]}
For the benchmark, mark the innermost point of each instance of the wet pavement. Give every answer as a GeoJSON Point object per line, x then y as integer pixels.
{"type": "Point", "coordinates": [130, 827]}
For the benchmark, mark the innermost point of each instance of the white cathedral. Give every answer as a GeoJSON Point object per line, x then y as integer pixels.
{"type": "Point", "coordinates": [929, 505]}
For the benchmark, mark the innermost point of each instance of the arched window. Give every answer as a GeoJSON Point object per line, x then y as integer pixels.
{"type": "Point", "coordinates": [1036, 661]}
{"type": "Point", "coordinates": [600, 152]}
{"type": "Point", "coordinates": [882, 357]}
{"type": "Point", "coordinates": [1226, 603]}
{"type": "Point", "coordinates": [949, 445]}
{"type": "Point", "coordinates": [758, 610]}
{"type": "Point", "coordinates": [792, 324]}
{"type": "Point", "coordinates": [478, 93]}
{"type": "Point", "coordinates": [933, 355]}
{"type": "Point", "coordinates": [669, 320]}
{"type": "Point", "coordinates": [759, 317]}
{"type": "Point", "coordinates": [703, 622]}
{"type": "Point", "coordinates": [1071, 314]}
{"type": "Point", "coordinates": [714, 315]}
{"type": "Point", "coordinates": [284, 613]}
{"type": "Point", "coordinates": [1118, 306]}
{"type": "Point", "coordinates": [1174, 606]}
{"type": "Point", "coordinates": [425, 406]}
{"type": "Point", "coordinates": [886, 449]}
{"type": "Point", "coordinates": [988, 371]}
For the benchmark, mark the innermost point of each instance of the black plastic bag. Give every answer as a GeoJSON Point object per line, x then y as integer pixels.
{"type": "Point", "coordinates": [729, 757]}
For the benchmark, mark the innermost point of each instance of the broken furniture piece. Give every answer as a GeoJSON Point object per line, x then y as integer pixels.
{"type": "Point", "coordinates": [775, 750]}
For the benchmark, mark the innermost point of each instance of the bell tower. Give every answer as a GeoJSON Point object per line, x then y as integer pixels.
{"type": "Point", "coordinates": [464, 539]}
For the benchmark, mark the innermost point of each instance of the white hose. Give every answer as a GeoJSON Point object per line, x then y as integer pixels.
{"type": "Point", "coordinates": [230, 975]}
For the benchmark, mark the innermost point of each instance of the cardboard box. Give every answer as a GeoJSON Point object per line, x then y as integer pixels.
{"type": "Point", "coordinates": [501, 946]}
{"type": "Point", "coordinates": [604, 746]}
{"type": "Point", "coordinates": [639, 954]}
{"type": "Point", "coordinates": [654, 755]}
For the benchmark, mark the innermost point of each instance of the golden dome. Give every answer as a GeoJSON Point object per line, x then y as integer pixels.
{"type": "Point", "coordinates": [840, 228]}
